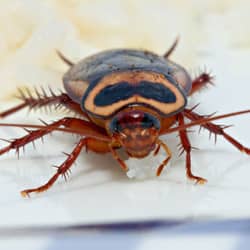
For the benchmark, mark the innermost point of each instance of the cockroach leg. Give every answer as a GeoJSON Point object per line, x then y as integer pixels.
{"type": "Point", "coordinates": [97, 146]}
{"type": "Point", "coordinates": [96, 140]}
{"type": "Point", "coordinates": [32, 136]}
{"type": "Point", "coordinates": [117, 158]}
{"type": "Point", "coordinates": [13, 110]}
{"type": "Point", "coordinates": [171, 49]}
{"type": "Point", "coordinates": [165, 162]}
{"type": "Point", "coordinates": [62, 170]}
{"type": "Point", "coordinates": [201, 81]}
{"type": "Point", "coordinates": [187, 148]}
{"type": "Point", "coordinates": [36, 100]}
{"type": "Point", "coordinates": [216, 130]}
{"type": "Point", "coordinates": [43, 100]}
{"type": "Point", "coordinates": [63, 58]}
{"type": "Point", "coordinates": [157, 149]}
{"type": "Point", "coordinates": [78, 126]}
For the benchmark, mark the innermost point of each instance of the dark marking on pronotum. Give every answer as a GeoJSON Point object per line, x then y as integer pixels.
{"type": "Point", "coordinates": [124, 90]}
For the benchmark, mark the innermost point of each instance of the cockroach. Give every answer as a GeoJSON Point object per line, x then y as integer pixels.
{"type": "Point", "coordinates": [126, 98]}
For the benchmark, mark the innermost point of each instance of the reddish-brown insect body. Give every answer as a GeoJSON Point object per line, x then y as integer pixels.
{"type": "Point", "coordinates": [136, 131]}
{"type": "Point", "coordinates": [126, 99]}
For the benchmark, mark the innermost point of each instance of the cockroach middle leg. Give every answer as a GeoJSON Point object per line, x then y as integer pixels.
{"type": "Point", "coordinates": [216, 130]}
{"type": "Point", "coordinates": [78, 126]}
{"type": "Point", "coordinates": [165, 162]}
{"type": "Point", "coordinates": [97, 141]}
{"type": "Point", "coordinates": [62, 170]}
{"type": "Point", "coordinates": [187, 148]}
{"type": "Point", "coordinates": [33, 135]}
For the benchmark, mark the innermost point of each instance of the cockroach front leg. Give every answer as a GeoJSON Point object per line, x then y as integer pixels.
{"type": "Point", "coordinates": [216, 130]}
{"type": "Point", "coordinates": [159, 145]}
{"type": "Point", "coordinates": [118, 159]}
{"type": "Point", "coordinates": [187, 148]}
{"type": "Point", "coordinates": [168, 152]}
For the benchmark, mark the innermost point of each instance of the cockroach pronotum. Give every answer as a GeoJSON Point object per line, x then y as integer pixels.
{"type": "Point", "coordinates": [126, 98]}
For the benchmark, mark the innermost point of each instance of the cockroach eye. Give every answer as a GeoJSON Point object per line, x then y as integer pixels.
{"type": "Point", "coordinates": [133, 119]}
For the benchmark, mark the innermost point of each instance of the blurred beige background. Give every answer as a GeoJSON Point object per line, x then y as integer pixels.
{"type": "Point", "coordinates": [30, 31]}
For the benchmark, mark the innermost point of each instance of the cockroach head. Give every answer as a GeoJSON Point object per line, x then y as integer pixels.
{"type": "Point", "coordinates": [136, 131]}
